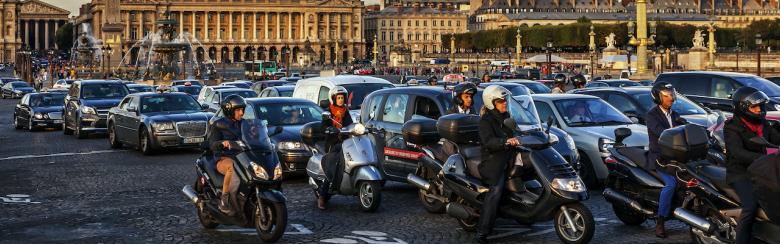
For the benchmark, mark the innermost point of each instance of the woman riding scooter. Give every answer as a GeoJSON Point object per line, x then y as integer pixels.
{"type": "Point", "coordinates": [495, 138]}
{"type": "Point", "coordinates": [340, 118]}
{"type": "Point", "coordinates": [749, 121]}
{"type": "Point", "coordinates": [221, 133]}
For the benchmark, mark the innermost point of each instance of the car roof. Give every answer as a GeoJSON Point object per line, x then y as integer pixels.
{"type": "Point", "coordinates": [415, 90]}
{"type": "Point", "coordinates": [556, 97]}
{"type": "Point", "coordinates": [99, 82]}
{"type": "Point", "coordinates": [186, 86]}
{"type": "Point", "coordinates": [136, 84]}
{"type": "Point", "coordinates": [616, 80]}
{"type": "Point", "coordinates": [626, 89]}
{"type": "Point", "coordinates": [233, 89]}
{"type": "Point", "coordinates": [267, 100]}
{"type": "Point", "coordinates": [152, 94]}
{"type": "Point", "coordinates": [720, 73]}
{"type": "Point", "coordinates": [519, 81]}
{"type": "Point", "coordinates": [221, 87]}
{"type": "Point", "coordinates": [286, 88]}
{"type": "Point", "coordinates": [345, 80]}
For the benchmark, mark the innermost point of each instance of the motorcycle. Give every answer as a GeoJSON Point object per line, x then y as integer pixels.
{"type": "Point", "coordinates": [552, 191]}
{"type": "Point", "coordinates": [421, 133]}
{"type": "Point", "coordinates": [361, 176]}
{"type": "Point", "coordinates": [258, 201]}
{"type": "Point", "coordinates": [712, 207]}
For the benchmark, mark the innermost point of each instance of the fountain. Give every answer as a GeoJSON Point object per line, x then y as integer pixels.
{"type": "Point", "coordinates": [86, 54]}
{"type": "Point", "coordinates": [164, 56]}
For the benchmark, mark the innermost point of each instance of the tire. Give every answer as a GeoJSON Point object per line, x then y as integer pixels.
{"type": "Point", "coordinates": [270, 230]}
{"type": "Point", "coordinates": [583, 221]}
{"type": "Point", "coordinates": [144, 142]}
{"type": "Point", "coordinates": [628, 216]}
{"type": "Point", "coordinates": [369, 195]}
{"type": "Point", "coordinates": [80, 134]}
{"type": "Point", "coordinates": [65, 129]}
{"type": "Point", "coordinates": [112, 140]}
{"type": "Point", "coordinates": [205, 219]}
{"type": "Point", "coordinates": [586, 172]}
{"type": "Point", "coordinates": [431, 205]}
{"type": "Point", "coordinates": [16, 123]}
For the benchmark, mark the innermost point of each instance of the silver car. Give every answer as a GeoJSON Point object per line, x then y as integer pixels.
{"type": "Point", "coordinates": [591, 122]}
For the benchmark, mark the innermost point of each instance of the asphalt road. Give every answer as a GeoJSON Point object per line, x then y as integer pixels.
{"type": "Point", "coordinates": [56, 188]}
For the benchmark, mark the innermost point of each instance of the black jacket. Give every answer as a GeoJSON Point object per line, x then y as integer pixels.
{"type": "Point", "coordinates": [496, 158]}
{"type": "Point", "coordinates": [656, 122]}
{"type": "Point", "coordinates": [333, 139]}
{"type": "Point", "coordinates": [740, 152]}
{"type": "Point", "coordinates": [223, 129]}
{"type": "Point", "coordinates": [454, 110]}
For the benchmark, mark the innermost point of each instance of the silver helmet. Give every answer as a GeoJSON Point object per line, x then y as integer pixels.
{"type": "Point", "coordinates": [492, 93]}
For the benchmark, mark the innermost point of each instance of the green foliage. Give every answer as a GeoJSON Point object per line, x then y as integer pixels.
{"type": "Point", "coordinates": [64, 37]}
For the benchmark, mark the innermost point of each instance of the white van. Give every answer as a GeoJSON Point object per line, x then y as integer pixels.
{"type": "Point", "coordinates": [316, 89]}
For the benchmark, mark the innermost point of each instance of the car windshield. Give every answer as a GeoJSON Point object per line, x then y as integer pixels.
{"type": "Point", "coordinates": [286, 93]}
{"type": "Point", "coordinates": [103, 91]}
{"type": "Point", "coordinates": [359, 91]}
{"type": "Point", "coordinates": [523, 111]}
{"type": "Point", "coordinates": [682, 105]}
{"type": "Point", "coordinates": [192, 90]}
{"type": "Point", "coordinates": [281, 114]}
{"type": "Point", "coordinates": [254, 134]}
{"type": "Point", "coordinates": [137, 89]}
{"type": "Point", "coordinates": [623, 83]}
{"type": "Point", "coordinates": [538, 88]}
{"type": "Point", "coordinates": [761, 84]}
{"type": "Point", "coordinates": [244, 94]}
{"type": "Point", "coordinates": [49, 100]}
{"type": "Point", "coordinates": [589, 112]}
{"type": "Point", "coordinates": [168, 102]}
{"type": "Point", "coordinates": [239, 84]}
{"type": "Point", "coordinates": [20, 84]}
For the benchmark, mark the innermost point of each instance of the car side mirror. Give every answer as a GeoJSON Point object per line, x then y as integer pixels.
{"type": "Point", "coordinates": [621, 134]}
{"type": "Point", "coordinates": [132, 110]}
{"type": "Point", "coordinates": [510, 123]}
{"type": "Point", "coordinates": [326, 115]}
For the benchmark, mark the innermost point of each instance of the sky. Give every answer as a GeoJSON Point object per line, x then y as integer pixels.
{"type": "Point", "coordinates": [73, 5]}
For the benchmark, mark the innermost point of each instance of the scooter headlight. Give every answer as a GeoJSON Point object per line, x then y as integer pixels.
{"type": "Point", "coordinates": [568, 184]}
{"type": "Point", "coordinates": [359, 129]}
{"type": "Point", "coordinates": [278, 172]}
{"type": "Point", "coordinates": [259, 171]}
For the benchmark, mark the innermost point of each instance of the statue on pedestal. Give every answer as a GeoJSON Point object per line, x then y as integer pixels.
{"type": "Point", "coordinates": [610, 41]}
{"type": "Point", "coordinates": [698, 40]}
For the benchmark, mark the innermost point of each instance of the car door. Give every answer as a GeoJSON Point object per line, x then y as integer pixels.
{"type": "Point", "coordinates": [119, 116]}
{"type": "Point", "coordinates": [22, 110]}
{"type": "Point", "coordinates": [71, 105]}
{"type": "Point", "coordinates": [693, 86]}
{"type": "Point", "coordinates": [393, 115]}
{"type": "Point", "coordinates": [132, 122]}
{"type": "Point", "coordinates": [720, 91]}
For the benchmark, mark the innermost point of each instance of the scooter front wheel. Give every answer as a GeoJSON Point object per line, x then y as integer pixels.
{"type": "Point", "coordinates": [574, 223]}
{"type": "Point", "coordinates": [270, 228]}
{"type": "Point", "coordinates": [370, 195]}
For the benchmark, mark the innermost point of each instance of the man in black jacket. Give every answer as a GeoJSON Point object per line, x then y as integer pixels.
{"type": "Point", "coordinates": [463, 99]}
{"type": "Point", "coordinates": [658, 119]}
{"type": "Point", "coordinates": [495, 139]}
{"type": "Point", "coordinates": [749, 121]}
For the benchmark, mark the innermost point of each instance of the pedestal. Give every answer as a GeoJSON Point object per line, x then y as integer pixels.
{"type": "Point", "coordinates": [697, 59]}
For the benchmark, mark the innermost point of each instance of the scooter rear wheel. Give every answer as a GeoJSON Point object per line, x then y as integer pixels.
{"type": "Point", "coordinates": [582, 218]}
{"type": "Point", "coordinates": [205, 218]}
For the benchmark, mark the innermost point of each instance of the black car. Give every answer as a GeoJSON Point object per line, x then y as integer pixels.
{"type": "Point", "coordinates": [36, 110]}
{"type": "Point", "coordinates": [193, 90]}
{"type": "Point", "coordinates": [290, 114]}
{"type": "Point", "coordinates": [774, 79]}
{"type": "Point", "coordinates": [262, 85]}
{"type": "Point", "coordinates": [635, 102]}
{"type": "Point", "coordinates": [5, 80]}
{"type": "Point", "coordinates": [16, 89]}
{"type": "Point", "coordinates": [215, 98]}
{"type": "Point", "coordinates": [138, 88]}
{"type": "Point", "coordinates": [535, 87]}
{"type": "Point", "coordinates": [613, 83]}
{"type": "Point", "coordinates": [152, 121]}
{"type": "Point", "coordinates": [277, 91]}
{"type": "Point", "coordinates": [87, 104]}
{"type": "Point", "coordinates": [714, 89]}
{"type": "Point", "coordinates": [388, 109]}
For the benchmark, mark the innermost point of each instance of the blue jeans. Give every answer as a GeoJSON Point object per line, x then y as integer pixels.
{"type": "Point", "coordinates": [667, 194]}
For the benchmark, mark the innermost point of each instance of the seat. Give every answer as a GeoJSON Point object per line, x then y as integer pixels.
{"type": "Point", "coordinates": [473, 157]}
{"type": "Point", "coordinates": [635, 154]}
{"type": "Point", "coordinates": [717, 175]}
{"type": "Point", "coordinates": [320, 146]}
{"type": "Point", "coordinates": [210, 163]}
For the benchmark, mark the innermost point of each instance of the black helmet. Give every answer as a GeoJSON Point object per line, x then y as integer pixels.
{"type": "Point", "coordinates": [560, 78]}
{"type": "Point", "coordinates": [467, 88]}
{"type": "Point", "coordinates": [231, 103]}
{"type": "Point", "coordinates": [744, 98]}
{"type": "Point", "coordinates": [578, 80]}
{"type": "Point", "coordinates": [661, 86]}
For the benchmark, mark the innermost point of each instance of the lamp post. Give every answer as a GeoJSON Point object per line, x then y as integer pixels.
{"type": "Point", "coordinates": [592, 49]}
{"type": "Point", "coordinates": [711, 45]}
{"type": "Point", "coordinates": [663, 52]}
{"type": "Point", "coordinates": [51, 63]}
{"type": "Point", "coordinates": [376, 51]}
{"type": "Point", "coordinates": [519, 48]}
{"type": "Point", "coordinates": [548, 51]}
{"type": "Point", "coordinates": [108, 65]}
{"type": "Point", "coordinates": [738, 49]}
{"type": "Point", "coordinates": [758, 54]}
{"type": "Point", "coordinates": [224, 52]}
{"type": "Point", "coordinates": [641, 40]}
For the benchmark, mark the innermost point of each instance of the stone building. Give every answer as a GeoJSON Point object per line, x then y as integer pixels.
{"type": "Point", "coordinates": [31, 24]}
{"type": "Point", "coordinates": [463, 5]}
{"type": "Point", "coordinates": [417, 28]}
{"type": "Point", "coordinates": [240, 30]}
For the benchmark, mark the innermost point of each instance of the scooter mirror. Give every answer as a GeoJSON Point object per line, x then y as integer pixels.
{"type": "Point", "coordinates": [550, 121]}
{"type": "Point", "coordinates": [621, 134]}
{"type": "Point", "coordinates": [326, 115]}
{"type": "Point", "coordinates": [277, 130]}
{"type": "Point", "coordinates": [510, 123]}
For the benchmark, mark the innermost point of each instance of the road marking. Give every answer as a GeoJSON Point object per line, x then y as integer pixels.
{"type": "Point", "coordinates": [299, 230]}
{"type": "Point", "coordinates": [371, 237]}
{"type": "Point", "coordinates": [60, 154]}
{"type": "Point", "coordinates": [17, 198]}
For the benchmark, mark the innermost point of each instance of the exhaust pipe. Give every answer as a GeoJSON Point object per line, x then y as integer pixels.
{"type": "Point", "coordinates": [419, 182]}
{"type": "Point", "coordinates": [693, 220]}
{"type": "Point", "coordinates": [459, 211]}
{"type": "Point", "coordinates": [190, 193]}
{"type": "Point", "coordinates": [618, 198]}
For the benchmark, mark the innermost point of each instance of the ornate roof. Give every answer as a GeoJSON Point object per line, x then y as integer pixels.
{"type": "Point", "coordinates": [37, 9]}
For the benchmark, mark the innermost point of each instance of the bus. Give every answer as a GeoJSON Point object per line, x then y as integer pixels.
{"type": "Point", "coordinates": [256, 68]}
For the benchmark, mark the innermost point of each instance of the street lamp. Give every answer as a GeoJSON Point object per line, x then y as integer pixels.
{"type": "Point", "coordinates": [738, 48]}
{"type": "Point", "coordinates": [758, 53]}
{"type": "Point", "coordinates": [592, 49]}
{"type": "Point", "coordinates": [224, 52]}
{"type": "Point", "coordinates": [110, 51]}
{"type": "Point", "coordinates": [662, 59]}
{"type": "Point", "coordinates": [548, 51]}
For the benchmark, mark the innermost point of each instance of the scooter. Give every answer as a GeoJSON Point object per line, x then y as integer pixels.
{"type": "Point", "coordinates": [361, 176]}
{"type": "Point", "coordinates": [258, 201]}
{"type": "Point", "coordinates": [422, 134]}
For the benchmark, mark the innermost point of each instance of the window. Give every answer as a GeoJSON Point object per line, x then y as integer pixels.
{"type": "Point", "coordinates": [383, 23]}
{"type": "Point", "coordinates": [425, 23]}
{"type": "Point", "coordinates": [589, 112]}
{"type": "Point", "coordinates": [391, 36]}
{"type": "Point", "coordinates": [458, 23]}
{"type": "Point", "coordinates": [373, 106]}
{"type": "Point", "coordinates": [323, 94]}
{"type": "Point", "coordinates": [416, 23]}
{"type": "Point", "coordinates": [434, 23]}
{"type": "Point", "coordinates": [124, 103]}
{"type": "Point", "coordinates": [622, 103]}
{"type": "Point", "coordinates": [391, 23]}
{"type": "Point", "coordinates": [133, 104]}
{"type": "Point", "coordinates": [544, 111]}
{"type": "Point", "coordinates": [449, 23]}
{"type": "Point", "coordinates": [383, 36]}
{"type": "Point", "coordinates": [722, 87]}
{"type": "Point", "coordinates": [408, 23]}
{"type": "Point", "coordinates": [248, 114]}
{"type": "Point", "coordinates": [427, 108]}
{"type": "Point", "coordinates": [689, 85]}
{"type": "Point", "coordinates": [395, 108]}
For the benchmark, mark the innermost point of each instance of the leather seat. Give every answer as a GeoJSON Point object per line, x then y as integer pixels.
{"type": "Point", "coordinates": [635, 154]}
{"type": "Point", "coordinates": [210, 163]}
{"type": "Point", "coordinates": [473, 157]}
{"type": "Point", "coordinates": [717, 175]}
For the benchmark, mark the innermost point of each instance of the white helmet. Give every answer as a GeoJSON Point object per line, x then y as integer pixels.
{"type": "Point", "coordinates": [492, 93]}
{"type": "Point", "coordinates": [337, 90]}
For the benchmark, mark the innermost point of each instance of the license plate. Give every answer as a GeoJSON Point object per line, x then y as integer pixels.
{"type": "Point", "coordinates": [193, 140]}
{"type": "Point", "coordinates": [57, 121]}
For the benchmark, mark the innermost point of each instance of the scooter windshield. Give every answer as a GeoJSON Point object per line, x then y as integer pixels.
{"type": "Point", "coordinates": [255, 135]}
{"type": "Point", "coordinates": [522, 110]}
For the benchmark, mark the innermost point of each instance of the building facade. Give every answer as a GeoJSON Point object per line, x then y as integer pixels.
{"type": "Point", "coordinates": [463, 5]}
{"type": "Point", "coordinates": [242, 30]}
{"type": "Point", "coordinates": [30, 24]}
{"type": "Point", "coordinates": [418, 29]}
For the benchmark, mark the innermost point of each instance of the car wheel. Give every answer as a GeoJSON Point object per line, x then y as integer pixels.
{"type": "Point", "coordinates": [80, 134]}
{"type": "Point", "coordinates": [145, 143]}
{"type": "Point", "coordinates": [16, 123]}
{"type": "Point", "coordinates": [586, 171]}
{"type": "Point", "coordinates": [112, 140]}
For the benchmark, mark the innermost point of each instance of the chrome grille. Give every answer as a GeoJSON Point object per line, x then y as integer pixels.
{"type": "Point", "coordinates": [55, 115]}
{"type": "Point", "coordinates": [191, 128]}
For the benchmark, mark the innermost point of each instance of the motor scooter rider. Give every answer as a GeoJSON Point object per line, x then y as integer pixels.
{"type": "Point", "coordinates": [559, 83]}
{"type": "Point", "coordinates": [658, 119]}
{"type": "Point", "coordinates": [496, 159]}
{"type": "Point", "coordinates": [463, 99]}
{"type": "Point", "coordinates": [749, 121]}
{"type": "Point", "coordinates": [222, 134]}
{"type": "Point", "coordinates": [331, 161]}
{"type": "Point", "coordinates": [578, 81]}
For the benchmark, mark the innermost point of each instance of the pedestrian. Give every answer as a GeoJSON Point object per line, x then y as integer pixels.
{"type": "Point", "coordinates": [749, 121]}
{"type": "Point", "coordinates": [485, 78]}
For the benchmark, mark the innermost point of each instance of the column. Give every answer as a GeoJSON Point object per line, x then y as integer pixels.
{"type": "Point", "coordinates": [278, 26]}
{"type": "Point", "coordinates": [140, 33]}
{"type": "Point", "coordinates": [338, 25]}
{"type": "Point", "coordinates": [46, 34]}
{"type": "Point", "coordinates": [254, 26]}
{"type": "Point", "coordinates": [193, 25]}
{"type": "Point", "coordinates": [36, 30]}
{"type": "Point", "coordinates": [26, 32]}
{"type": "Point", "coordinates": [230, 26]}
{"type": "Point", "coordinates": [289, 26]}
{"type": "Point", "coordinates": [219, 26]}
{"type": "Point", "coordinates": [127, 25]}
{"type": "Point", "coordinates": [265, 26]}
{"type": "Point", "coordinates": [327, 27]}
{"type": "Point", "coordinates": [304, 29]}
{"type": "Point", "coordinates": [243, 36]}
{"type": "Point", "coordinates": [56, 28]}
{"type": "Point", "coordinates": [206, 26]}
{"type": "Point", "coordinates": [181, 22]}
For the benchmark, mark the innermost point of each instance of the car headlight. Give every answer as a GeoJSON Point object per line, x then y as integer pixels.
{"type": "Point", "coordinates": [259, 171]}
{"type": "Point", "coordinates": [88, 110]}
{"type": "Point", "coordinates": [777, 106]}
{"type": "Point", "coordinates": [278, 171]}
{"type": "Point", "coordinates": [605, 144]}
{"type": "Point", "coordinates": [568, 184]}
{"type": "Point", "coordinates": [570, 142]}
{"type": "Point", "coordinates": [162, 126]}
{"type": "Point", "coordinates": [359, 129]}
{"type": "Point", "coordinates": [39, 115]}
{"type": "Point", "coordinates": [290, 145]}
{"type": "Point", "coordinates": [18, 91]}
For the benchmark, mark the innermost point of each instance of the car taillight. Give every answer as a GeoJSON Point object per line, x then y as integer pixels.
{"type": "Point", "coordinates": [203, 180]}
{"type": "Point", "coordinates": [692, 183]}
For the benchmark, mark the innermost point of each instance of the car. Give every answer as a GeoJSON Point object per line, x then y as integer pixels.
{"type": "Point", "coordinates": [262, 85]}
{"type": "Point", "coordinates": [208, 90]}
{"type": "Point", "coordinates": [155, 120]}
{"type": "Point", "coordinates": [62, 84]}
{"type": "Point", "coordinates": [138, 88]}
{"type": "Point", "coordinates": [535, 87]}
{"type": "Point", "coordinates": [278, 112]}
{"type": "Point", "coordinates": [316, 89]}
{"type": "Point", "coordinates": [635, 102]}
{"type": "Point", "coordinates": [184, 82]}
{"type": "Point", "coordinates": [774, 79]}
{"type": "Point", "coordinates": [646, 82]}
{"type": "Point", "coordinates": [4, 80]}
{"type": "Point", "coordinates": [596, 84]}
{"type": "Point", "coordinates": [279, 75]}
{"type": "Point", "coordinates": [713, 89]}
{"type": "Point", "coordinates": [58, 90]}
{"type": "Point", "coordinates": [614, 83]}
{"type": "Point", "coordinates": [213, 101]}
{"type": "Point", "coordinates": [291, 79]}
{"type": "Point", "coordinates": [277, 91]}
{"type": "Point", "coordinates": [87, 104]}
{"type": "Point", "coordinates": [388, 109]}
{"type": "Point", "coordinates": [36, 110]}
{"type": "Point", "coordinates": [592, 137]}
{"type": "Point", "coordinates": [15, 89]}
{"type": "Point", "coordinates": [239, 84]}
{"type": "Point", "coordinates": [407, 78]}
{"type": "Point", "coordinates": [193, 90]}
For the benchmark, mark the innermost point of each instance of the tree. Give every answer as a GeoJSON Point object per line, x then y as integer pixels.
{"type": "Point", "coordinates": [583, 20]}
{"type": "Point", "coordinates": [64, 37]}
